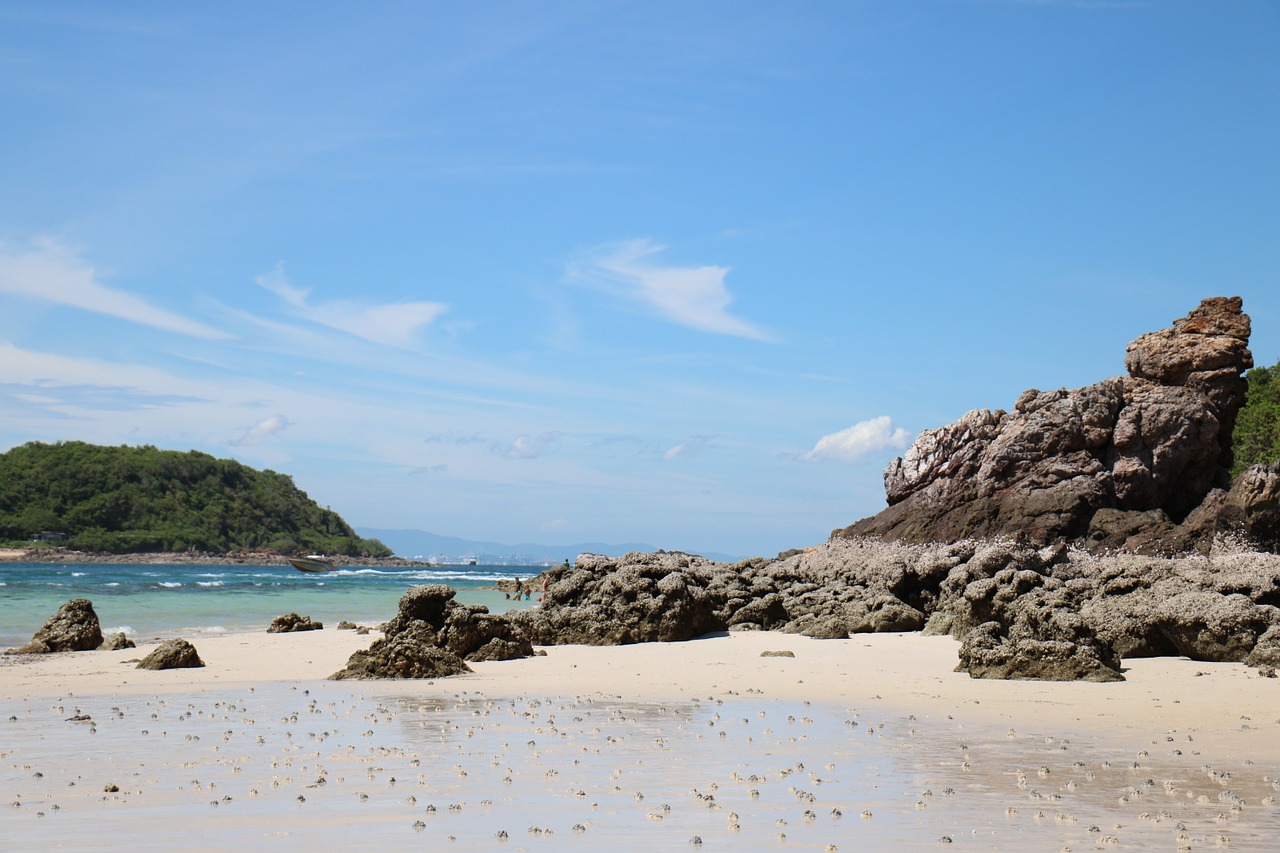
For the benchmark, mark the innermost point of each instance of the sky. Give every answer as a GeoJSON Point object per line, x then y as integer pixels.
{"type": "Point", "coordinates": [682, 273]}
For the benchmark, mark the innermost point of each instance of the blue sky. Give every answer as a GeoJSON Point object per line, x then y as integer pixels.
{"type": "Point", "coordinates": [682, 273]}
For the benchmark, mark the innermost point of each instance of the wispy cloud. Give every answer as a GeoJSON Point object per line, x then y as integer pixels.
{"type": "Point", "coordinates": [394, 323]}
{"type": "Point", "coordinates": [51, 272]}
{"type": "Point", "coordinates": [260, 432]}
{"type": "Point", "coordinates": [455, 438]}
{"type": "Point", "coordinates": [690, 446]}
{"type": "Point", "coordinates": [850, 445]}
{"type": "Point", "coordinates": [695, 297]}
{"type": "Point", "coordinates": [530, 446]}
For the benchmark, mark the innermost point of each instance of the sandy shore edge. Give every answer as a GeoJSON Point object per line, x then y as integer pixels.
{"type": "Point", "coordinates": [1227, 707]}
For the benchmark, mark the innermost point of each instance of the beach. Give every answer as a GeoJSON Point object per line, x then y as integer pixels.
{"type": "Point", "coordinates": [720, 743]}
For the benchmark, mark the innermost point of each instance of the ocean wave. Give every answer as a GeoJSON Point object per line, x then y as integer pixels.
{"type": "Point", "coordinates": [113, 583]}
{"type": "Point", "coordinates": [209, 583]}
{"type": "Point", "coordinates": [122, 629]}
{"type": "Point", "coordinates": [169, 584]}
{"type": "Point", "coordinates": [78, 574]}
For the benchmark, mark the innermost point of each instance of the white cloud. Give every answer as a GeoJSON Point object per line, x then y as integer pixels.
{"type": "Point", "coordinates": [691, 296]}
{"type": "Point", "coordinates": [51, 272]}
{"type": "Point", "coordinates": [261, 432]}
{"type": "Point", "coordinates": [850, 445]}
{"type": "Point", "coordinates": [396, 323]}
{"type": "Point", "coordinates": [688, 447]}
{"type": "Point", "coordinates": [531, 447]}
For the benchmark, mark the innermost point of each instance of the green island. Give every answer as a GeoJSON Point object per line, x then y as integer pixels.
{"type": "Point", "coordinates": [123, 500]}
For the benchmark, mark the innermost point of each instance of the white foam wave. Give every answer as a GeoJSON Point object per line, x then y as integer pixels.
{"type": "Point", "coordinates": [113, 583]}
{"type": "Point", "coordinates": [127, 630]}
{"type": "Point", "coordinates": [209, 583]}
{"type": "Point", "coordinates": [169, 584]}
{"type": "Point", "coordinates": [78, 574]}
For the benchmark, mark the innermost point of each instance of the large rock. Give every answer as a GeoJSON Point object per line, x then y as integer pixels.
{"type": "Point", "coordinates": [172, 654]}
{"type": "Point", "coordinates": [1155, 442]}
{"type": "Point", "coordinates": [637, 598]}
{"type": "Point", "coordinates": [74, 628]}
{"type": "Point", "coordinates": [431, 636]}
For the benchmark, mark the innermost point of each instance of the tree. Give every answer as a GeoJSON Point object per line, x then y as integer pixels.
{"type": "Point", "coordinates": [1256, 440]}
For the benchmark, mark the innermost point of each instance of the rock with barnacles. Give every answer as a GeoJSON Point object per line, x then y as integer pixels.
{"type": "Point", "coordinates": [172, 654]}
{"type": "Point", "coordinates": [74, 628]}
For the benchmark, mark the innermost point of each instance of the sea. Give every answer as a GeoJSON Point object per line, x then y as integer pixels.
{"type": "Point", "coordinates": [160, 601]}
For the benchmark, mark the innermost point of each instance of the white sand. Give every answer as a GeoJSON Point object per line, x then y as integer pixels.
{"type": "Point", "coordinates": [569, 739]}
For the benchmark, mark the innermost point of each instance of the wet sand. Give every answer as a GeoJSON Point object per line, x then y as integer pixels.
{"type": "Point", "coordinates": [866, 743]}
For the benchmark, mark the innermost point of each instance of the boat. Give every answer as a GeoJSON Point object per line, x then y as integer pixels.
{"type": "Point", "coordinates": [316, 563]}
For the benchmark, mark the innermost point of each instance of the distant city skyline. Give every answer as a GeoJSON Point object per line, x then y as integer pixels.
{"type": "Point", "coordinates": [684, 274]}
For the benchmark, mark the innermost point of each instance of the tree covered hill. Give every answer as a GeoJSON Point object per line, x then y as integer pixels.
{"type": "Point", "coordinates": [131, 499]}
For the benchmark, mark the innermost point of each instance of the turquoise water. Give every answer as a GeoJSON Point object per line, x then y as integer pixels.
{"type": "Point", "coordinates": [166, 600]}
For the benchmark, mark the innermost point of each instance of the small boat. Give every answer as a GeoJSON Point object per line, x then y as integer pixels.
{"type": "Point", "coordinates": [312, 563]}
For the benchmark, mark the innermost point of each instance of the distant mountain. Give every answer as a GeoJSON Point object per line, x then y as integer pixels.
{"type": "Point", "coordinates": [452, 549]}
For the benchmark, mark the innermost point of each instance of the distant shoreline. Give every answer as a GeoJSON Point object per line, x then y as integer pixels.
{"type": "Point", "coordinates": [60, 555]}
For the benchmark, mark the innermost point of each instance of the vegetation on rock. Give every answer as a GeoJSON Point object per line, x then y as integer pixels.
{"type": "Point", "coordinates": [132, 499]}
{"type": "Point", "coordinates": [1256, 440]}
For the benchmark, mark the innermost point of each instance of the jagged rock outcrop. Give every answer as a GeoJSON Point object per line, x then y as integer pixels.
{"type": "Point", "coordinates": [290, 622]}
{"type": "Point", "coordinates": [172, 654]}
{"type": "Point", "coordinates": [1122, 463]}
{"type": "Point", "coordinates": [1051, 612]}
{"type": "Point", "coordinates": [432, 635]}
{"type": "Point", "coordinates": [637, 598]}
{"type": "Point", "coordinates": [74, 628]}
{"type": "Point", "coordinates": [1251, 508]}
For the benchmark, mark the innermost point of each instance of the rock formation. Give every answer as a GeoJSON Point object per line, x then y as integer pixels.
{"type": "Point", "coordinates": [1122, 463]}
{"type": "Point", "coordinates": [117, 641]}
{"type": "Point", "coordinates": [172, 654]}
{"type": "Point", "coordinates": [1021, 612]}
{"type": "Point", "coordinates": [293, 622]}
{"type": "Point", "coordinates": [74, 628]}
{"type": "Point", "coordinates": [432, 635]}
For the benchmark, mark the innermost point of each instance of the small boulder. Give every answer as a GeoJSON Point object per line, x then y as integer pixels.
{"type": "Point", "coordinates": [172, 654]}
{"type": "Point", "coordinates": [293, 622]}
{"type": "Point", "coordinates": [116, 642]}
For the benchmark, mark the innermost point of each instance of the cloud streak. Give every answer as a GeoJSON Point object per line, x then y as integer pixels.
{"type": "Point", "coordinates": [695, 297]}
{"type": "Point", "coordinates": [689, 447]}
{"type": "Point", "coordinates": [51, 272]}
{"type": "Point", "coordinates": [850, 445]}
{"type": "Point", "coordinates": [261, 431]}
{"type": "Point", "coordinates": [530, 446]}
{"type": "Point", "coordinates": [395, 323]}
